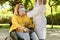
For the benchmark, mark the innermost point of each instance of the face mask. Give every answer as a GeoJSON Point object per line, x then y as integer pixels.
{"type": "Point", "coordinates": [22, 9]}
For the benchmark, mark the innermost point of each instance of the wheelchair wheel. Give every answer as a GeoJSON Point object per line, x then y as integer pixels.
{"type": "Point", "coordinates": [8, 38]}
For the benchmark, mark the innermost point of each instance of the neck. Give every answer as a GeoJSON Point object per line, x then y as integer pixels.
{"type": "Point", "coordinates": [21, 15]}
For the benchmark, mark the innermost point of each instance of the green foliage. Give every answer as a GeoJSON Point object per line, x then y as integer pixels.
{"type": "Point", "coordinates": [3, 1]}
{"type": "Point", "coordinates": [28, 3]}
{"type": "Point", "coordinates": [54, 2]}
{"type": "Point", "coordinates": [56, 18]}
{"type": "Point", "coordinates": [5, 18]}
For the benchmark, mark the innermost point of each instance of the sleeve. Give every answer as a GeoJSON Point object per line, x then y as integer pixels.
{"type": "Point", "coordinates": [32, 13]}
{"type": "Point", "coordinates": [14, 22]}
{"type": "Point", "coordinates": [36, 11]}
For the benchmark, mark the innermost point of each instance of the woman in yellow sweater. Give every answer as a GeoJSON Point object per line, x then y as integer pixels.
{"type": "Point", "coordinates": [22, 24]}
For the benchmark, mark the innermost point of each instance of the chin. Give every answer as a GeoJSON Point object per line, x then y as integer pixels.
{"type": "Point", "coordinates": [22, 15]}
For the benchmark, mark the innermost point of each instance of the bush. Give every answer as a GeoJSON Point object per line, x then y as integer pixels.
{"type": "Point", "coordinates": [5, 18]}
{"type": "Point", "coordinates": [56, 19]}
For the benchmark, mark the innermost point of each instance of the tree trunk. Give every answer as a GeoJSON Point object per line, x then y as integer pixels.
{"type": "Point", "coordinates": [52, 16]}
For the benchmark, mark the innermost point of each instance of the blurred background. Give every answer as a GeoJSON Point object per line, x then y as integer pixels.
{"type": "Point", "coordinates": [52, 12]}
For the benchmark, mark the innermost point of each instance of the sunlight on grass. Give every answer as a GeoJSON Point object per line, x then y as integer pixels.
{"type": "Point", "coordinates": [48, 26]}
{"type": "Point", "coordinates": [4, 25]}
{"type": "Point", "coordinates": [54, 26]}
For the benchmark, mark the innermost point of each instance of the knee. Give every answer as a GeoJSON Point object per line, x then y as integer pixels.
{"type": "Point", "coordinates": [27, 37]}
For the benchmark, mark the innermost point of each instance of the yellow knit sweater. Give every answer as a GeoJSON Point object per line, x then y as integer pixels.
{"type": "Point", "coordinates": [18, 20]}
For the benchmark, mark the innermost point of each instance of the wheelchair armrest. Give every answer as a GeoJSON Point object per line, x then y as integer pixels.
{"type": "Point", "coordinates": [13, 35]}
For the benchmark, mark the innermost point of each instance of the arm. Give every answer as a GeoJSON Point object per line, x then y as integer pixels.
{"type": "Point", "coordinates": [15, 22]}
{"type": "Point", "coordinates": [36, 11]}
{"type": "Point", "coordinates": [39, 2]}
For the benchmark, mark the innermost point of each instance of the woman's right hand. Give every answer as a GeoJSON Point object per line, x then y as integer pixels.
{"type": "Point", "coordinates": [20, 28]}
{"type": "Point", "coordinates": [26, 30]}
{"type": "Point", "coordinates": [23, 29]}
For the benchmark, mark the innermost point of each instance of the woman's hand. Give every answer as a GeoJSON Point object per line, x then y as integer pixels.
{"type": "Point", "coordinates": [26, 30]}
{"type": "Point", "coordinates": [23, 29]}
{"type": "Point", "coordinates": [20, 28]}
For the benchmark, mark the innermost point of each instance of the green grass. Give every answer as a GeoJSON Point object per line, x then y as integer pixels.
{"type": "Point", "coordinates": [54, 26]}
{"type": "Point", "coordinates": [4, 25]}
{"type": "Point", "coordinates": [48, 26]}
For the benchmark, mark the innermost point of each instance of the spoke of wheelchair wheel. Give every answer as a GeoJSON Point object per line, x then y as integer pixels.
{"type": "Point", "coordinates": [8, 38]}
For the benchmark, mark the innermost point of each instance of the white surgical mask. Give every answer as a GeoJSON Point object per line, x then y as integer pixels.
{"type": "Point", "coordinates": [23, 9]}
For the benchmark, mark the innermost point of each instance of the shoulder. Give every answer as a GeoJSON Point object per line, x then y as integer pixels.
{"type": "Point", "coordinates": [26, 17]}
{"type": "Point", "coordinates": [14, 16]}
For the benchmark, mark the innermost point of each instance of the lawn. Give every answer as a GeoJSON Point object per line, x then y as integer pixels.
{"type": "Point", "coordinates": [4, 25]}
{"type": "Point", "coordinates": [48, 26]}
{"type": "Point", "coordinates": [54, 26]}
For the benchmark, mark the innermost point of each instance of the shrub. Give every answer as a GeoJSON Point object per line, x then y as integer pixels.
{"type": "Point", "coordinates": [5, 18]}
{"type": "Point", "coordinates": [56, 19]}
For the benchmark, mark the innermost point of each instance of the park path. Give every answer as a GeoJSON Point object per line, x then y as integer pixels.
{"type": "Point", "coordinates": [51, 34]}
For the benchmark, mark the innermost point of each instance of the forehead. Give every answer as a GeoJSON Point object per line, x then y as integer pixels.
{"type": "Point", "coordinates": [21, 6]}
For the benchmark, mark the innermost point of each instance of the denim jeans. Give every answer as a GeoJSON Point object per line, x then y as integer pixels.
{"type": "Point", "coordinates": [26, 36]}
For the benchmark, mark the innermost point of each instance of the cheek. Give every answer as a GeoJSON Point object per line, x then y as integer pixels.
{"type": "Point", "coordinates": [20, 12]}
{"type": "Point", "coordinates": [23, 13]}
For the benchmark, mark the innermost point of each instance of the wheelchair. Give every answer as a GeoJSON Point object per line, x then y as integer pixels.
{"type": "Point", "coordinates": [13, 36]}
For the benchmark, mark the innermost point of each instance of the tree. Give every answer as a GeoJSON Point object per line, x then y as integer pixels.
{"type": "Point", "coordinates": [51, 4]}
{"type": "Point", "coordinates": [12, 3]}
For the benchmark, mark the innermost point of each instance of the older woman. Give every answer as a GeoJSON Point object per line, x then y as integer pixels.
{"type": "Point", "coordinates": [22, 24]}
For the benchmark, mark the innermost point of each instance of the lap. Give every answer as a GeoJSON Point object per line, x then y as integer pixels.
{"type": "Point", "coordinates": [22, 34]}
{"type": "Point", "coordinates": [31, 35]}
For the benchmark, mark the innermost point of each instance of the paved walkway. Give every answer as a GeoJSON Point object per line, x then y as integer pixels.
{"type": "Point", "coordinates": [51, 34]}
